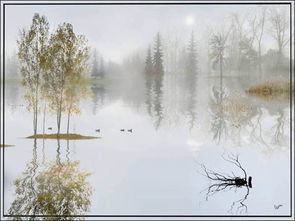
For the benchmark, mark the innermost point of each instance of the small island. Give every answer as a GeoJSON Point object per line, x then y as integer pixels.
{"type": "Point", "coordinates": [62, 136]}
{"type": "Point", "coordinates": [271, 90]}
{"type": "Point", "coordinates": [6, 145]}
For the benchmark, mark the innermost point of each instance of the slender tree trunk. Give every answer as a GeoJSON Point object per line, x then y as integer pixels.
{"type": "Point", "coordinates": [44, 116]}
{"type": "Point", "coordinates": [59, 114]}
{"type": "Point", "coordinates": [43, 152]}
{"type": "Point", "coordinates": [58, 120]}
{"type": "Point", "coordinates": [68, 125]}
{"type": "Point", "coordinates": [34, 121]}
{"type": "Point", "coordinates": [36, 105]}
{"type": "Point", "coordinates": [35, 114]}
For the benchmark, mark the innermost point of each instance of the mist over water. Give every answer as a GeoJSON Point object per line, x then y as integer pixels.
{"type": "Point", "coordinates": [185, 106]}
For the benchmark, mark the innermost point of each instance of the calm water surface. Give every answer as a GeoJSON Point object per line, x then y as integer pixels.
{"type": "Point", "coordinates": [156, 169]}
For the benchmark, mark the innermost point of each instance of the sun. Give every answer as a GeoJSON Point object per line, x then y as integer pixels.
{"type": "Point", "coordinates": [189, 20]}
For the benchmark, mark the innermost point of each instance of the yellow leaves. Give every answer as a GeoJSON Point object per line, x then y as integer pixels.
{"type": "Point", "coordinates": [61, 188]}
{"type": "Point", "coordinates": [64, 55]}
{"type": "Point", "coordinates": [235, 109]}
{"type": "Point", "coordinates": [52, 66]}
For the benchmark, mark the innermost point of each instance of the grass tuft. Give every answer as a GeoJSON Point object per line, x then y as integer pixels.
{"type": "Point", "coordinates": [271, 90]}
{"type": "Point", "coordinates": [270, 87]}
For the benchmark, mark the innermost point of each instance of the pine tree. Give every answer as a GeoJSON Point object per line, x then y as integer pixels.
{"type": "Point", "coordinates": [95, 72]}
{"type": "Point", "coordinates": [148, 62]}
{"type": "Point", "coordinates": [192, 62]}
{"type": "Point", "coordinates": [158, 56]}
{"type": "Point", "coordinates": [191, 78]}
{"type": "Point", "coordinates": [101, 68]}
{"type": "Point", "coordinates": [159, 74]}
{"type": "Point", "coordinates": [149, 69]}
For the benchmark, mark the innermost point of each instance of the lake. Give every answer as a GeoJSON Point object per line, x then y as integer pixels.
{"type": "Point", "coordinates": [157, 168]}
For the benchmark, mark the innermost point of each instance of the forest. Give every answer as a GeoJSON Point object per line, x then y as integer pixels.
{"type": "Point", "coordinates": [56, 67]}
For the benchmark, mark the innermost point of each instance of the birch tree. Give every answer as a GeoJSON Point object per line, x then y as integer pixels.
{"type": "Point", "coordinates": [32, 45]}
{"type": "Point", "coordinates": [257, 24]}
{"type": "Point", "coordinates": [67, 57]}
{"type": "Point", "coordinates": [218, 45]}
{"type": "Point", "coordinates": [279, 27]}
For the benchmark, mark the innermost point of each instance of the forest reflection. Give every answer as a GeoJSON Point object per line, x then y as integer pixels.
{"type": "Point", "coordinates": [234, 115]}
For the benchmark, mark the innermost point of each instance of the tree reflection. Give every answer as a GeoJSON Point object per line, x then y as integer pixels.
{"type": "Point", "coordinates": [60, 189]}
{"type": "Point", "coordinates": [191, 79]}
{"type": "Point", "coordinates": [230, 113]}
{"type": "Point", "coordinates": [154, 76]}
{"type": "Point", "coordinates": [225, 182]}
{"type": "Point", "coordinates": [158, 106]}
{"type": "Point", "coordinates": [279, 135]}
{"type": "Point", "coordinates": [98, 95]}
{"type": "Point", "coordinates": [218, 123]}
{"type": "Point", "coordinates": [271, 138]}
{"type": "Point", "coordinates": [256, 134]}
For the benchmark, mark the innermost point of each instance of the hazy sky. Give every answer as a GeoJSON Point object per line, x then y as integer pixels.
{"type": "Point", "coordinates": [118, 30]}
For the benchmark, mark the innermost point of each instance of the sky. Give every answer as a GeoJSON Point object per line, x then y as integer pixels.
{"type": "Point", "coordinates": [117, 30]}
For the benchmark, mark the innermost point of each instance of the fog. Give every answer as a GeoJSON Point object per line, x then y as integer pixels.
{"type": "Point", "coordinates": [160, 107]}
{"type": "Point", "coordinates": [118, 30]}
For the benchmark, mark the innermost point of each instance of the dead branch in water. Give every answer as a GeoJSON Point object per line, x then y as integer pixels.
{"type": "Point", "coordinates": [225, 182]}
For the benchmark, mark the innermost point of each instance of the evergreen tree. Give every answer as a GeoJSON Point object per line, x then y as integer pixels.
{"type": "Point", "coordinates": [158, 56]}
{"type": "Point", "coordinates": [158, 73]}
{"type": "Point", "coordinates": [192, 63]}
{"type": "Point", "coordinates": [191, 79]}
{"type": "Point", "coordinates": [149, 62]}
{"type": "Point", "coordinates": [101, 68]}
{"type": "Point", "coordinates": [148, 78]}
{"type": "Point", "coordinates": [95, 72]}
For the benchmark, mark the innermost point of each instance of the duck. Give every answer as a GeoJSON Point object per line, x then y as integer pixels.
{"type": "Point", "coordinates": [130, 130]}
{"type": "Point", "coordinates": [49, 128]}
{"type": "Point", "coordinates": [122, 130]}
{"type": "Point", "coordinates": [97, 130]}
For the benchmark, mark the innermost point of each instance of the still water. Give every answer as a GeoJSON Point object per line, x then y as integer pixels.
{"type": "Point", "coordinates": [156, 169]}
